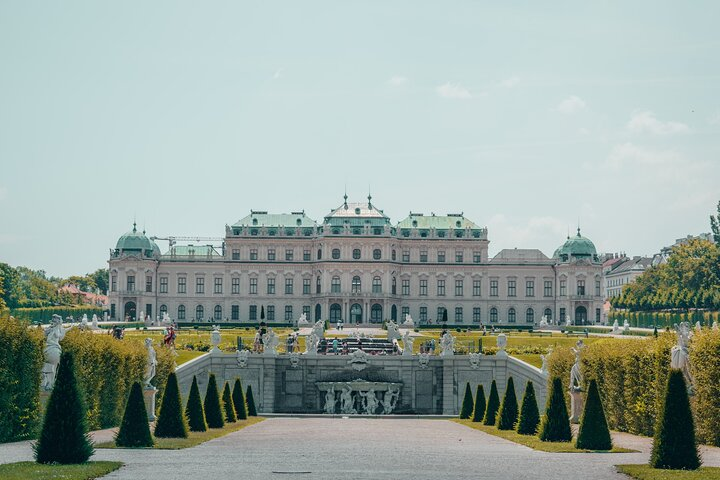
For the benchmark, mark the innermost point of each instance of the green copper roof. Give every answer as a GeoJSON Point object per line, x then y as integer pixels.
{"type": "Point", "coordinates": [136, 242]}
{"type": "Point", "coordinates": [438, 222]}
{"type": "Point", "coordinates": [357, 215]}
{"type": "Point", "coordinates": [260, 219]}
{"type": "Point", "coordinates": [577, 246]}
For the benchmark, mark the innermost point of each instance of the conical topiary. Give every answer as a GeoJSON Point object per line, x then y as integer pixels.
{"type": "Point", "coordinates": [228, 405]}
{"type": "Point", "coordinates": [252, 412]}
{"type": "Point", "coordinates": [529, 414]}
{"type": "Point", "coordinates": [555, 424]}
{"type": "Point", "coordinates": [134, 430]}
{"type": "Point", "coordinates": [171, 422]}
{"type": "Point", "coordinates": [64, 436]}
{"type": "Point", "coordinates": [213, 409]}
{"type": "Point", "coordinates": [674, 444]}
{"type": "Point", "coordinates": [594, 433]}
{"type": "Point", "coordinates": [194, 409]}
{"type": "Point", "coordinates": [508, 413]}
{"type": "Point", "coordinates": [492, 405]}
{"type": "Point", "coordinates": [239, 400]}
{"type": "Point", "coordinates": [467, 405]}
{"type": "Point", "coordinates": [480, 404]}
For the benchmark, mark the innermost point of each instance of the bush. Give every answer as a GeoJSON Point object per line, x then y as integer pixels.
{"type": "Point", "coordinates": [479, 410]}
{"type": "Point", "coordinates": [134, 430]}
{"type": "Point", "coordinates": [507, 416]}
{"type": "Point", "coordinates": [64, 436]}
{"type": "Point", "coordinates": [228, 405]}
{"type": "Point", "coordinates": [674, 444]}
{"type": "Point", "coordinates": [529, 414]}
{"type": "Point", "coordinates": [44, 314]}
{"type": "Point", "coordinates": [194, 409]}
{"type": "Point", "coordinates": [252, 412]}
{"type": "Point", "coordinates": [239, 400]}
{"type": "Point", "coordinates": [467, 405]}
{"type": "Point", "coordinates": [171, 422]}
{"type": "Point", "coordinates": [492, 405]}
{"type": "Point", "coordinates": [21, 360]}
{"type": "Point", "coordinates": [555, 424]}
{"type": "Point", "coordinates": [213, 409]}
{"type": "Point", "coordinates": [594, 433]}
{"type": "Point", "coordinates": [705, 359]}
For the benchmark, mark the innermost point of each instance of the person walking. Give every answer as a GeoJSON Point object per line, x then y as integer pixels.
{"type": "Point", "coordinates": [335, 345]}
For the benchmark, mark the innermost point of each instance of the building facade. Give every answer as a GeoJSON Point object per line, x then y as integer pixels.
{"type": "Point", "coordinates": [355, 266]}
{"type": "Point", "coordinates": [623, 272]}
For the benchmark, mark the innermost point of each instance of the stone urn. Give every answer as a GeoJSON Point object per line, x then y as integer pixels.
{"type": "Point", "coordinates": [501, 344]}
{"type": "Point", "coordinates": [215, 339]}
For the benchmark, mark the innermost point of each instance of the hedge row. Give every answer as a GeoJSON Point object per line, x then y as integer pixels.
{"type": "Point", "coordinates": [44, 314]}
{"type": "Point", "coordinates": [662, 319]}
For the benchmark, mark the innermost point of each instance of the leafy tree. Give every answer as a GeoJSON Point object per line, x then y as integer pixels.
{"type": "Point", "coordinates": [479, 410]}
{"type": "Point", "coordinates": [492, 405]}
{"type": "Point", "coordinates": [239, 400]}
{"type": "Point", "coordinates": [555, 424]}
{"type": "Point", "coordinates": [64, 436]}
{"type": "Point", "coordinates": [715, 225]}
{"type": "Point", "coordinates": [101, 278]}
{"type": "Point", "coordinates": [194, 409]}
{"type": "Point", "coordinates": [674, 445]}
{"type": "Point", "coordinates": [508, 414]}
{"type": "Point", "coordinates": [467, 405]}
{"type": "Point", "coordinates": [529, 414]}
{"type": "Point", "coordinates": [171, 422]}
{"type": "Point", "coordinates": [594, 433]}
{"type": "Point", "coordinates": [213, 409]}
{"type": "Point", "coordinates": [252, 412]}
{"type": "Point", "coordinates": [134, 430]}
{"type": "Point", "coordinates": [228, 405]}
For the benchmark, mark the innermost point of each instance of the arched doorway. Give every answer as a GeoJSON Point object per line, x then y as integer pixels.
{"type": "Point", "coordinates": [335, 313]}
{"type": "Point", "coordinates": [393, 313]}
{"type": "Point", "coordinates": [318, 312]}
{"type": "Point", "coordinates": [356, 313]}
{"type": "Point", "coordinates": [130, 311]}
{"type": "Point", "coordinates": [376, 313]}
{"type": "Point", "coordinates": [580, 315]}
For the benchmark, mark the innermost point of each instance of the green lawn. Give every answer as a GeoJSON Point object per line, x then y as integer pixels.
{"type": "Point", "coordinates": [532, 441]}
{"type": "Point", "coordinates": [194, 438]}
{"type": "Point", "coordinates": [36, 471]}
{"type": "Point", "coordinates": [645, 472]}
{"type": "Point", "coordinates": [531, 358]}
{"type": "Point", "coordinates": [186, 356]}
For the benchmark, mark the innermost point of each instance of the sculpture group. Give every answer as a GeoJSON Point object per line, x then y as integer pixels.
{"type": "Point", "coordinates": [365, 402]}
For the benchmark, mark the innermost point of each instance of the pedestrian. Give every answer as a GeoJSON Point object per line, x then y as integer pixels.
{"type": "Point", "coordinates": [335, 345]}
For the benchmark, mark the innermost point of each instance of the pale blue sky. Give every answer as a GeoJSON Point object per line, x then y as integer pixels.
{"type": "Point", "coordinates": [523, 115]}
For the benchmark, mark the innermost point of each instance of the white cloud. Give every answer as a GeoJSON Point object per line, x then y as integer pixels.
{"type": "Point", "coordinates": [397, 80]}
{"type": "Point", "coordinates": [453, 90]}
{"type": "Point", "coordinates": [570, 105]}
{"type": "Point", "coordinates": [646, 122]}
{"type": "Point", "coordinates": [277, 73]}
{"type": "Point", "coordinates": [510, 82]}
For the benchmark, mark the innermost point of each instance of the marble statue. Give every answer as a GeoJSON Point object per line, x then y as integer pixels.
{"type": "Point", "coordinates": [544, 367]}
{"type": "Point", "coordinates": [94, 324]}
{"type": "Point", "coordinates": [698, 327]}
{"type": "Point", "coordinates": [311, 344]}
{"type": "Point", "coordinates": [424, 360]}
{"type": "Point", "coordinates": [409, 322]}
{"type": "Point", "coordinates": [270, 342]}
{"type": "Point", "coordinates": [53, 335]}
{"type": "Point", "coordinates": [141, 317]}
{"type": "Point", "coordinates": [347, 402]}
{"type": "Point", "coordinates": [568, 321]}
{"type": "Point", "coordinates": [392, 331]}
{"type": "Point", "coordinates": [543, 321]}
{"type": "Point", "coordinates": [447, 344]}
{"type": "Point", "coordinates": [330, 401]}
{"type": "Point", "coordinates": [407, 343]}
{"type": "Point", "coordinates": [615, 328]}
{"type": "Point", "coordinates": [501, 342]}
{"type": "Point", "coordinates": [303, 321]}
{"type": "Point", "coordinates": [215, 339]}
{"type": "Point", "coordinates": [294, 359]}
{"type": "Point", "coordinates": [319, 330]}
{"type": "Point", "coordinates": [151, 365]}
{"type": "Point", "coordinates": [359, 360]}
{"type": "Point", "coordinates": [715, 325]}
{"type": "Point", "coordinates": [390, 399]}
{"type": "Point", "coordinates": [242, 358]}
{"type": "Point", "coordinates": [626, 325]}
{"type": "Point", "coordinates": [474, 359]}
{"type": "Point", "coordinates": [680, 355]}
{"type": "Point", "coordinates": [576, 381]}
{"type": "Point", "coordinates": [84, 325]}
{"type": "Point", "coordinates": [369, 402]}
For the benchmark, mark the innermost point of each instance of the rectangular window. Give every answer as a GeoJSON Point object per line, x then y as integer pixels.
{"type": "Point", "coordinates": [288, 313]}
{"type": "Point", "coordinates": [318, 287]}
{"type": "Point", "coordinates": [306, 255]}
{"type": "Point", "coordinates": [271, 313]}
{"type": "Point", "coordinates": [477, 288]}
{"type": "Point", "coordinates": [236, 254]}
{"type": "Point", "coordinates": [406, 256]}
{"type": "Point", "coordinates": [199, 285]}
{"type": "Point", "coordinates": [423, 288]}
{"type": "Point", "coordinates": [458, 314]}
{"type": "Point", "coordinates": [181, 312]}
{"type": "Point", "coordinates": [441, 312]}
{"type": "Point", "coordinates": [441, 256]}
{"type": "Point", "coordinates": [113, 284]}
{"type": "Point", "coordinates": [163, 284]}
{"type": "Point", "coordinates": [252, 315]}
{"type": "Point", "coordinates": [597, 288]}
{"type": "Point", "coordinates": [458, 288]}
{"type": "Point", "coordinates": [306, 286]}
{"type": "Point", "coordinates": [597, 315]}
{"type": "Point", "coordinates": [289, 255]}
{"type": "Point", "coordinates": [235, 312]}
{"type": "Point", "coordinates": [182, 285]}
{"type": "Point", "coordinates": [493, 288]}
{"type": "Point", "coordinates": [235, 285]}
{"type": "Point", "coordinates": [406, 287]}
{"type": "Point", "coordinates": [512, 289]}
{"type": "Point", "coordinates": [112, 310]}
{"type": "Point", "coordinates": [289, 286]}
{"type": "Point", "coordinates": [405, 311]}
{"type": "Point", "coordinates": [218, 285]}
{"type": "Point", "coordinates": [253, 254]}
{"type": "Point", "coordinates": [148, 283]}
{"type": "Point", "coordinates": [529, 288]}
{"type": "Point", "coordinates": [547, 289]}
{"type": "Point", "coordinates": [271, 254]}
{"type": "Point", "coordinates": [441, 288]}
{"type": "Point", "coordinates": [131, 283]}
{"type": "Point", "coordinates": [271, 286]}
{"type": "Point", "coordinates": [476, 314]}
{"type": "Point", "coordinates": [253, 286]}
{"type": "Point", "coordinates": [581, 287]}
{"type": "Point", "coordinates": [306, 310]}
{"type": "Point", "coordinates": [423, 314]}
{"type": "Point", "coordinates": [477, 257]}
{"type": "Point", "coordinates": [458, 256]}
{"type": "Point", "coordinates": [562, 314]}
{"type": "Point", "coordinates": [563, 288]}
{"type": "Point", "coordinates": [423, 256]}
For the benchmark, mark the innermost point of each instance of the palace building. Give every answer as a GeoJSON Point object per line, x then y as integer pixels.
{"type": "Point", "coordinates": [358, 267]}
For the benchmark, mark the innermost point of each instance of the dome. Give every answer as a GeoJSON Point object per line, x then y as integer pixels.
{"type": "Point", "coordinates": [577, 246]}
{"type": "Point", "coordinates": [136, 242]}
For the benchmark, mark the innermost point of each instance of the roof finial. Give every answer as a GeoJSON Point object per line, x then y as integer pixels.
{"type": "Point", "coordinates": [369, 198]}
{"type": "Point", "coordinates": [134, 226]}
{"type": "Point", "coordinates": [568, 234]}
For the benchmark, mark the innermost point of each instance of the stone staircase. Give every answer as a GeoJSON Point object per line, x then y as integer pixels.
{"type": "Point", "coordinates": [371, 346]}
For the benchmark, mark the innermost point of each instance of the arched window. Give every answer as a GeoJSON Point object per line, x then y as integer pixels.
{"type": "Point", "coordinates": [394, 286]}
{"type": "Point", "coordinates": [336, 253]}
{"type": "Point", "coordinates": [318, 312]}
{"type": "Point", "coordinates": [376, 313]}
{"type": "Point", "coordinates": [199, 312]}
{"type": "Point", "coordinates": [335, 286]}
{"type": "Point", "coordinates": [356, 284]}
{"type": "Point", "coordinates": [217, 313]}
{"type": "Point", "coordinates": [393, 313]}
{"type": "Point", "coordinates": [181, 312]}
{"type": "Point", "coordinates": [548, 314]}
{"type": "Point", "coordinates": [530, 315]}
{"type": "Point", "coordinates": [394, 255]}
{"type": "Point", "coordinates": [356, 254]}
{"type": "Point", "coordinates": [493, 315]}
{"type": "Point", "coordinates": [511, 315]}
{"type": "Point", "coordinates": [377, 285]}
{"type": "Point", "coordinates": [163, 310]}
{"type": "Point", "coordinates": [335, 312]}
{"type": "Point", "coordinates": [319, 257]}
{"type": "Point", "coordinates": [377, 254]}
{"type": "Point", "coordinates": [317, 286]}
{"type": "Point", "coordinates": [441, 313]}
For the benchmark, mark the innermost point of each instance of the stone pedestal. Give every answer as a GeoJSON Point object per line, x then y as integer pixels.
{"type": "Point", "coordinates": [576, 405]}
{"type": "Point", "coordinates": [149, 394]}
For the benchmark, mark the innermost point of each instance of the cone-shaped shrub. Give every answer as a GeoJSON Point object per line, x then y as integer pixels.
{"type": "Point", "coordinates": [529, 414]}
{"type": "Point", "coordinates": [213, 409]}
{"type": "Point", "coordinates": [171, 422]}
{"type": "Point", "coordinates": [467, 405]}
{"type": "Point", "coordinates": [194, 409]}
{"type": "Point", "coordinates": [64, 437]}
{"type": "Point", "coordinates": [492, 405]}
{"type": "Point", "coordinates": [134, 430]}
{"type": "Point", "coordinates": [239, 400]}
{"type": "Point", "coordinates": [674, 444]}
{"type": "Point", "coordinates": [228, 405]}
{"type": "Point", "coordinates": [479, 410]}
{"type": "Point", "coordinates": [594, 433]}
{"type": "Point", "coordinates": [508, 414]}
{"type": "Point", "coordinates": [555, 424]}
{"type": "Point", "coordinates": [252, 412]}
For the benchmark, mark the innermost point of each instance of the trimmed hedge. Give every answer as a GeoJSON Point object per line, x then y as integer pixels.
{"type": "Point", "coordinates": [229, 407]}
{"type": "Point", "coordinates": [238, 397]}
{"type": "Point", "coordinates": [171, 422]}
{"type": "Point", "coordinates": [555, 424]}
{"type": "Point", "coordinates": [134, 430]}
{"type": "Point", "coordinates": [492, 405]}
{"type": "Point", "coordinates": [529, 413]}
{"type": "Point", "coordinates": [252, 411]}
{"type": "Point", "coordinates": [194, 409]}
{"type": "Point", "coordinates": [213, 410]}
{"type": "Point", "coordinates": [467, 405]}
{"type": "Point", "coordinates": [480, 404]}
{"type": "Point", "coordinates": [44, 314]}
{"type": "Point", "coordinates": [593, 433]}
{"type": "Point", "coordinates": [508, 414]}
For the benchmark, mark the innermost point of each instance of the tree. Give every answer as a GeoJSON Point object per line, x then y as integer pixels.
{"type": "Point", "coordinates": [467, 405]}
{"type": "Point", "coordinates": [213, 409]}
{"type": "Point", "coordinates": [252, 412]}
{"type": "Point", "coordinates": [101, 277]}
{"type": "Point", "coordinates": [64, 436]}
{"type": "Point", "coordinates": [674, 445]}
{"type": "Point", "coordinates": [239, 400]}
{"type": "Point", "coordinates": [492, 405]}
{"type": "Point", "coordinates": [194, 409]}
{"type": "Point", "coordinates": [555, 424]}
{"type": "Point", "coordinates": [134, 430]}
{"type": "Point", "coordinates": [594, 433]}
{"type": "Point", "coordinates": [171, 422]}
{"type": "Point", "coordinates": [228, 405]}
{"type": "Point", "coordinates": [479, 410]}
{"type": "Point", "coordinates": [529, 414]}
{"type": "Point", "coordinates": [508, 414]}
{"type": "Point", "coordinates": [715, 225]}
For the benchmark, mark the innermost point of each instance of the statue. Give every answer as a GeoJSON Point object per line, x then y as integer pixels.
{"type": "Point", "coordinates": [576, 381]}
{"type": "Point", "coordinates": [474, 358]}
{"type": "Point", "coordinates": [392, 331]}
{"type": "Point", "coordinates": [424, 360]}
{"type": "Point", "coordinates": [94, 324]}
{"type": "Point", "coordinates": [84, 322]}
{"type": "Point", "coordinates": [501, 342]}
{"type": "Point", "coordinates": [715, 325]}
{"type": "Point", "coordinates": [407, 343]}
{"type": "Point", "coordinates": [390, 399]}
{"type": "Point", "coordinates": [358, 360]}
{"type": "Point", "coordinates": [615, 328]}
{"type": "Point", "coordinates": [544, 368]}
{"type": "Point", "coordinates": [346, 401]}
{"type": "Point", "coordinates": [242, 358]}
{"type": "Point", "coordinates": [626, 326]}
{"type": "Point", "coordinates": [408, 321]}
{"type": "Point", "coordinates": [330, 401]}
{"type": "Point", "coordinates": [698, 327]}
{"type": "Point", "coordinates": [53, 335]}
{"type": "Point", "coordinates": [369, 402]}
{"type": "Point", "coordinates": [543, 321]}
{"type": "Point", "coordinates": [447, 344]}
{"type": "Point", "coordinates": [215, 339]}
{"type": "Point", "coordinates": [141, 317]}
{"type": "Point", "coordinates": [303, 321]}
{"type": "Point", "coordinates": [271, 342]}
{"type": "Point", "coordinates": [311, 344]}
{"type": "Point", "coordinates": [568, 321]}
{"type": "Point", "coordinates": [151, 366]}
{"type": "Point", "coordinates": [319, 330]}
{"type": "Point", "coordinates": [294, 359]}
{"type": "Point", "coordinates": [680, 356]}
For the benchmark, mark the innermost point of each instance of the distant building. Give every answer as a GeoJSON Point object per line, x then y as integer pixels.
{"type": "Point", "coordinates": [622, 271]}
{"type": "Point", "coordinates": [87, 298]}
{"type": "Point", "coordinates": [665, 252]}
